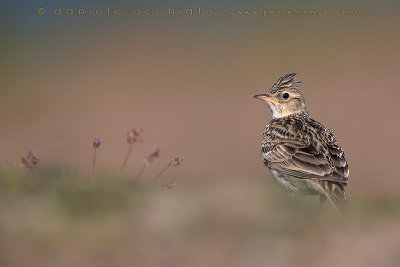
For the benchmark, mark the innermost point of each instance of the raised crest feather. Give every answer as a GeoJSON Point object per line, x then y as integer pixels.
{"type": "Point", "coordinates": [286, 81]}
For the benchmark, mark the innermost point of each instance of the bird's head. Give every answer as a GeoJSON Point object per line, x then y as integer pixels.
{"type": "Point", "coordinates": [284, 98]}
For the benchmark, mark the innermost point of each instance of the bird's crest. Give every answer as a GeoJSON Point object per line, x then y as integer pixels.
{"type": "Point", "coordinates": [286, 81]}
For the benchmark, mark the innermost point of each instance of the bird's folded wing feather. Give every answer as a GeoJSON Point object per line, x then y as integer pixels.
{"type": "Point", "coordinates": [303, 160]}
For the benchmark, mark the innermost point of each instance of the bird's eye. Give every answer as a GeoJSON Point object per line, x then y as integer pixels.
{"type": "Point", "coordinates": [285, 96]}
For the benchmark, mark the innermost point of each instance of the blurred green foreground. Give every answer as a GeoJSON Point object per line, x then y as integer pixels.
{"type": "Point", "coordinates": [58, 218]}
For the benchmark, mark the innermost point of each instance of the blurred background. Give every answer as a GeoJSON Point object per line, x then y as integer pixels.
{"type": "Point", "coordinates": [188, 81]}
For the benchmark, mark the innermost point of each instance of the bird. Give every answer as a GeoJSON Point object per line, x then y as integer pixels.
{"type": "Point", "coordinates": [302, 155]}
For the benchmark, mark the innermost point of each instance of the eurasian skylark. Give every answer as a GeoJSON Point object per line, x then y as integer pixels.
{"type": "Point", "coordinates": [302, 154]}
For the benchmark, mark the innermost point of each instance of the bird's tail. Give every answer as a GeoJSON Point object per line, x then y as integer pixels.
{"type": "Point", "coordinates": [337, 196]}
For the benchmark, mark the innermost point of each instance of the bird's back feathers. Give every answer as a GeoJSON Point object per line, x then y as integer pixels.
{"type": "Point", "coordinates": [301, 147]}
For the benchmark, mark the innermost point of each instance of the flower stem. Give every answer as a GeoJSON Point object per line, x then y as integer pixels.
{"type": "Point", "coordinates": [94, 162]}
{"type": "Point", "coordinates": [128, 154]}
{"type": "Point", "coordinates": [140, 172]}
{"type": "Point", "coordinates": [161, 172]}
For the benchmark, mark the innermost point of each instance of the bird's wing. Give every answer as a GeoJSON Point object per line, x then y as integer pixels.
{"type": "Point", "coordinates": [304, 160]}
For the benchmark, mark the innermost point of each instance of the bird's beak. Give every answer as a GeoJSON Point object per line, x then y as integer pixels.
{"type": "Point", "coordinates": [266, 97]}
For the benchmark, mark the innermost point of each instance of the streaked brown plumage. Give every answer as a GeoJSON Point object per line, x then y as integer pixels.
{"type": "Point", "coordinates": [302, 154]}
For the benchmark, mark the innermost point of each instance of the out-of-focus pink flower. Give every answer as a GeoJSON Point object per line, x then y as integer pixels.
{"type": "Point", "coordinates": [148, 159]}
{"type": "Point", "coordinates": [176, 161]}
{"type": "Point", "coordinates": [33, 157]}
{"type": "Point", "coordinates": [30, 161]}
{"type": "Point", "coordinates": [152, 156]}
{"type": "Point", "coordinates": [134, 135]}
{"type": "Point", "coordinates": [96, 142]}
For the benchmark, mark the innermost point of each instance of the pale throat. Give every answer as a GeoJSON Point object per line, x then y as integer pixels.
{"type": "Point", "coordinates": [279, 112]}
